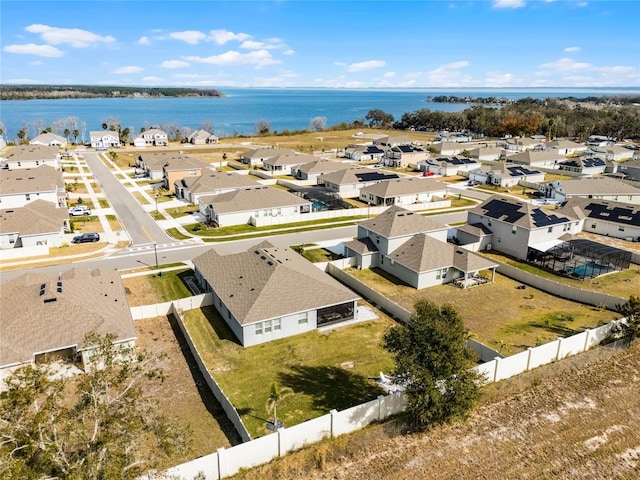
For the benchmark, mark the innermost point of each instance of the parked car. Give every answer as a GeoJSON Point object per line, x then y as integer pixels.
{"type": "Point", "coordinates": [473, 183]}
{"type": "Point", "coordinates": [139, 175]}
{"type": "Point", "coordinates": [429, 174]}
{"type": "Point", "coordinates": [86, 238]}
{"type": "Point", "coordinates": [79, 210]}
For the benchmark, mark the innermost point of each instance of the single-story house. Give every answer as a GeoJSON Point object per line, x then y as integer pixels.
{"type": "Point", "coordinates": [403, 191]}
{"type": "Point", "coordinates": [445, 136]}
{"type": "Point", "coordinates": [613, 152]}
{"type": "Point", "coordinates": [486, 152]}
{"type": "Point", "coordinates": [537, 159]}
{"type": "Point", "coordinates": [211, 182]}
{"type": "Point", "coordinates": [283, 164]}
{"type": "Point", "coordinates": [630, 169]}
{"type": "Point", "coordinates": [49, 140]}
{"type": "Point", "coordinates": [47, 317]}
{"type": "Point", "coordinates": [311, 171]}
{"type": "Point", "coordinates": [506, 175]}
{"type": "Point", "coordinates": [37, 223]}
{"type": "Point", "coordinates": [348, 183]}
{"type": "Point", "coordinates": [414, 249]}
{"type": "Point", "coordinates": [31, 156]}
{"type": "Point", "coordinates": [201, 137]}
{"type": "Point", "coordinates": [152, 137]}
{"type": "Point", "coordinates": [446, 166]}
{"type": "Point", "coordinates": [517, 226]}
{"type": "Point", "coordinates": [243, 206]}
{"type": "Point", "coordinates": [521, 144]}
{"type": "Point", "coordinates": [259, 155]}
{"type": "Point", "coordinates": [587, 165]}
{"type": "Point", "coordinates": [392, 140]}
{"type": "Point", "coordinates": [21, 186]}
{"type": "Point", "coordinates": [364, 153]}
{"type": "Point", "coordinates": [452, 148]}
{"type": "Point", "coordinates": [600, 188]}
{"type": "Point", "coordinates": [566, 147]}
{"type": "Point", "coordinates": [269, 292]}
{"type": "Point", "coordinates": [604, 217]}
{"type": "Point", "coordinates": [104, 139]}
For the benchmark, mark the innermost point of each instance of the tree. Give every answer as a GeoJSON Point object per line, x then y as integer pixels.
{"type": "Point", "coordinates": [317, 124]}
{"type": "Point", "coordinates": [276, 394]}
{"type": "Point", "coordinates": [434, 363]}
{"type": "Point", "coordinates": [262, 127]}
{"type": "Point", "coordinates": [378, 118]}
{"type": "Point", "coordinates": [97, 425]}
{"type": "Point", "coordinates": [631, 311]}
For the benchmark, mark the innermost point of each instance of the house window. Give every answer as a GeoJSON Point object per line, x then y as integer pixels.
{"type": "Point", "coordinates": [27, 196]}
{"type": "Point", "coordinates": [276, 324]}
{"type": "Point", "coordinates": [489, 222]}
{"type": "Point", "coordinates": [550, 229]}
{"type": "Point", "coordinates": [258, 328]}
{"type": "Point", "coordinates": [267, 326]}
{"type": "Point", "coordinates": [621, 228]}
{"type": "Point", "coordinates": [593, 225]}
{"type": "Point", "coordinates": [514, 229]}
{"type": "Point", "coordinates": [303, 318]}
{"type": "Point", "coordinates": [442, 273]}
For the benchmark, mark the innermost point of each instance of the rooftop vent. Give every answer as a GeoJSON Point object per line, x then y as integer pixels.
{"type": "Point", "coordinates": [49, 300]}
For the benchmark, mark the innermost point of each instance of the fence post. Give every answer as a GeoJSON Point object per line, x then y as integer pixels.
{"type": "Point", "coordinates": [222, 462]}
{"type": "Point", "coordinates": [281, 442]}
{"type": "Point", "coordinates": [334, 414]}
{"type": "Point", "coordinates": [559, 346]}
{"type": "Point", "coordinates": [586, 340]}
{"type": "Point", "coordinates": [530, 350]}
{"type": "Point", "coordinates": [495, 371]}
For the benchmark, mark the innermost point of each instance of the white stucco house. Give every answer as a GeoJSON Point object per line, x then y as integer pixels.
{"type": "Point", "coordinates": [104, 139]}
{"type": "Point", "coordinates": [152, 137]}
{"type": "Point", "coordinates": [50, 140]}
{"type": "Point", "coordinates": [404, 191]}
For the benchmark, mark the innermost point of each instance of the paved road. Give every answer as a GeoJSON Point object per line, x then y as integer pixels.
{"type": "Point", "coordinates": [140, 226]}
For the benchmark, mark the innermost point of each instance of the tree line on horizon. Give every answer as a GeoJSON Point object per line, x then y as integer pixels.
{"type": "Point", "coordinates": [28, 92]}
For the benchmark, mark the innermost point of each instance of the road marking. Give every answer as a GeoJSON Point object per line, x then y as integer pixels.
{"type": "Point", "coordinates": [147, 234]}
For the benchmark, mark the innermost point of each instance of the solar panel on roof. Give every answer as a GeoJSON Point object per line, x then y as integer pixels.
{"type": "Point", "coordinates": [541, 219]}
{"type": "Point", "coordinates": [506, 211]}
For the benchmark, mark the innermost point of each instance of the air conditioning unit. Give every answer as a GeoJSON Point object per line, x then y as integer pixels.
{"type": "Point", "coordinates": [489, 246]}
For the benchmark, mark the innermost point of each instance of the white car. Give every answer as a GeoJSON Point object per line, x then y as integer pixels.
{"type": "Point", "coordinates": [79, 211]}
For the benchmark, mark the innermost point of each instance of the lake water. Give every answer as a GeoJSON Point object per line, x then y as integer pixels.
{"type": "Point", "coordinates": [241, 108]}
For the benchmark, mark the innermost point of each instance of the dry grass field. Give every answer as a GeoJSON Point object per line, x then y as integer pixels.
{"type": "Point", "coordinates": [573, 420]}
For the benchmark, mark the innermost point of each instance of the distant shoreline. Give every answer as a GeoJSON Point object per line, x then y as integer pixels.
{"type": "Point", "coordinates": [54, 92]}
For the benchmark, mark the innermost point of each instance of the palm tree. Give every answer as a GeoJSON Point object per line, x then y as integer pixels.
{"type": "Point", "coordinates": [276, 394]}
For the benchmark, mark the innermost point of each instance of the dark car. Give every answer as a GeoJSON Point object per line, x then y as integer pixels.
{"type": "Point", "coordinates": [86, 237]}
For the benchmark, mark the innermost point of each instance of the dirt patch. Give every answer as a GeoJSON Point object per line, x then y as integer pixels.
{"type": "Point", "coordinates": [576, 419]}
{"type": "Point", "coordinates": [184, 394]}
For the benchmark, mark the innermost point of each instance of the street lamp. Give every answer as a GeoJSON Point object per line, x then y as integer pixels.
{"type": "Point", "coordinates": [155, 251]}
{"type": "Point", "coordinates": [156, 196]}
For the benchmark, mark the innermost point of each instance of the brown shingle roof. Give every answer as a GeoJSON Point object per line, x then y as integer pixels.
{"type": "Point", "coordinates": [90, 301]}
{"type": "Point", "coordinates": [399, 222]}
{"type": "Point", "coordinates": [211, 181]}
{"type": "Point", "coordinates": [35, 217]}
{"type": "Point", "coordinates": [405, 186]}
{"type": "Point", "coordinates": [247, 199]}
{"type": "Point", "coordinates": [269, 282]}
{"type": "Point", "coordinates": [29, 180]}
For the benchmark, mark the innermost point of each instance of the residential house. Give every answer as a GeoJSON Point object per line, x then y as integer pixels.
{"type": "Point", "coordinates": [600, 188]}
{"type": "Point", "coordinates": [451, 137]}
{"type": "Point", "coordinates": [177, 169]}
{"type": "Point", "coordinates": [404, 191]}
{"type": "Point", "coordinates": [202, 137]}
{"type": "Point", "coordinates": [49, 140]}
{"type": "Point", "coordinates": [348, 183]}
{"type": "Point", "coordinates": [505, 175]}
{"type": "Point", "coordinates": [486, 152]}
{"type": "Point", "coordinates": [604, 217]}
{"type": "Point", "coordinates": [104, 139]}
{"type": "Point", "coordinates": [598, 141]}
{"type": "Point", "coordinates": [47, 316]}
{"type": "Point", "coordinates": [586, 165]}
{"type": "Point", "coordinates": [630, 169]}
{"type": "Point", "coordinates": [452, 148]}
{"type": "Point", "coordinates": [402, 156]}
{"type": "Point", "coordinates": [364, 153]}
{"type": "Point", "coordinates": [446, 166]}
{"type": "Point", "coordinates": [516, 226]}
{"type": "Point", "coordinates": [154, 165]}
{"type": "Point", "coordinates": [537, 159]}
{"type": "Point", "coordinates": [21, 186]}
{"type": "Point", "coordinates": [566, 147]}
{"type": "Point", "coordinates": [259, 155]}
{"type": "Point", "coordinates": [312, 170]}
{"type": "Point", "coordinates": [211, 182]}
{"type": "Point", "coordinates": [152, 137]}
{"type": "Point", "coordinates": [31, 156]}
{"type": "Point", "coordinates": [283, 164]}
{"type": "Point", "coordinates": [243, 206]}
{"type": "Point", "coordinates": [392, 140]}
{"type": "Point", "coordinates": [613, 152]}
{"type": "Point", "coordinates": [414, 249]}
{"type": "Point", "coordinates": [269, 292]}
{"type": "Point", "coordinates": [521, 144]}
{"type": "Point", "coordinates": [37, 223]}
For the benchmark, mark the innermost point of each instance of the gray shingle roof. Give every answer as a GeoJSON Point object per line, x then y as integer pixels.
{"type": "Point", "coordinates": [405, 186]}
{"type": "Point", "coordinates": [32, 152]}
{"type": "Point", "coordinates": [357, 175]}
{"type": "Point", "coordinates": [399, 222]}
{"type": "Point", "coordinates": [89, 301]}
{"type": "Point", "coordinates": [598, 186]}
{"type": "Point", "coordinates": [247, 199]}
{"type": "Point", "coordinates": [28, 180]}
{"type": "Point", "coordinates": [269, 282]}
{"type": "Point", "coordinates": [211, 181]}
{"type": "Point", "coordinates": [35, 217]}
{"type": "Point", "coordinates": [322, 166]}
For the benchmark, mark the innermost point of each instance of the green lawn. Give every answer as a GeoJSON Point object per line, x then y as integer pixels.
{"type": "Point", "coordinates": [325, 370]}
{"type": "Point", "coordinates": [170, 285]}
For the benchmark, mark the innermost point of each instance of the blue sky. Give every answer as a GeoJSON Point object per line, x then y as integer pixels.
{"type": "Point", "coordinates": [300, 43]}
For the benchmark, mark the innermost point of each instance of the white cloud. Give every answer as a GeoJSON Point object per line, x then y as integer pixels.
{"type": "Point", "coordinates": [22, 81]}
{"type": "Point", "coordinates": [253, 45]}
{"type": "Point", "coordinates": [259, 58]}
{"type": "Point", "coordinates": [582, 4]}
{"type": "Point", "coordinates": [187, 75]}
{"type": "Point", "coordinates": [508, 3]}
{"type": "Point", "coordinates": [572, 49]}
{"type": "Point", "coordinates": [288, 52]}
{"type": "Point", "coordinates": [362, 66]}
{"type": "Point", "coordinates": [128, 69]}
{"type": "Point", "coordinates": [74, 37]}
{"type": "Point", "coordinates": [390, 75]}
{"type": "Point", "coordinates": [144, 41]}
{"type": "Point", "coordinates": [152, 79]}
{"type": "Point", "coordinates": [174, 64]}
{"type": "Point", "coordinates": [33, 49]}
{"type": "Point", "coordinates": [35, 63]}
{"type": "Point", "coordinates": [566, 65]}
{"type": "Point", "coordinates": [189, 36]}
{"type": "Point", "coordinates": [497, 79]}
{"type": "Point", "coordinates": [223, 36]}
{"type": "Point", "coordinates": [449, 75]}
